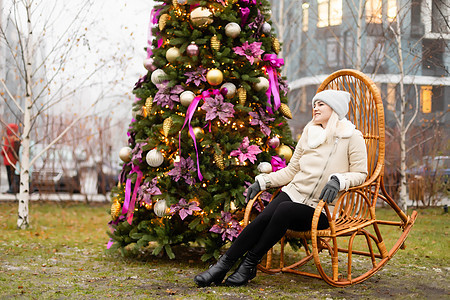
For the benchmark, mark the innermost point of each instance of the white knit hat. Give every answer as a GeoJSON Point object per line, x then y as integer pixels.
{"type": "Point", "coordinates": [337, 100]}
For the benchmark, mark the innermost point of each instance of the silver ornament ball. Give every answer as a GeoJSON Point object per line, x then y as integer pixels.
{"type": "Point", "coordinates": [265, 167]}
{"type": "Point", "coordinates": [231, 89]}
{"type": "Point", "coordinates": [262, 84]}
{"type": "Point", "coordinates": [232, 30]}
{"type": "Point", "coordinates": [125, 154]}
{"type": "Point", "coordinates": [266, 28]}
{"type": "Point", "coordinates": [160, 208]}
{"type": "Point", "coordinates": [154, 158]}
{"type": "Point", "coordinates": [158, 76]}
{"type": "Point", "coordinates": [186, 98]}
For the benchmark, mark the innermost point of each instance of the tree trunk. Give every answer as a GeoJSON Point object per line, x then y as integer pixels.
{"type": "Point", "coordinates": [24, 195]}
{"type": "Point", "coordinates": [402, 124]}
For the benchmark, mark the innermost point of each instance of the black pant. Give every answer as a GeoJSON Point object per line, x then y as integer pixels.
{"type": "Point", "coordinates": [13, 180]}
{"type": "Point", "coordinates": [271, 225]}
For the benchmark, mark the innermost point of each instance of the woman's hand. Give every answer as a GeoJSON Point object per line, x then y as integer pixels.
{"type": "Point", "coordinates": [330, 190]}
{"type": "Point", "coordinates": [253, 190]}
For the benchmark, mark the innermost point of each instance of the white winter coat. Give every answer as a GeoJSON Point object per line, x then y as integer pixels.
{"type": "Point", "coordinates": [315, 160]}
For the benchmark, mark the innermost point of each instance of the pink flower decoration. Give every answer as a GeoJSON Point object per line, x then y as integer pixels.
{"type": "Point", "coordinates": [250, 51]}
{"type": "Point", "coordinates": [228, 227]}
{"type": "Point", "coordinates": [216, 107]}
{"type": "Point", "coordinates": [184, 209]}
{"type": "Point", "coordinates": [246, 151]}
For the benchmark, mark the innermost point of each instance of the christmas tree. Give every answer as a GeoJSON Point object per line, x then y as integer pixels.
{"type": "Point", "coordinates": [209, 116]}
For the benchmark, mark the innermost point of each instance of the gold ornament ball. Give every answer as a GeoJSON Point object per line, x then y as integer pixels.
{"type": "Point", "coordinates": [172, 54]}
{"type": "Point", "coordinates": [214, 77]}
{"type": "Point", "coordinates": [160, 208]}
{"type": "Point", "coordinates": [125, 154]}
{"type": "Point", "coordinates": [186, 98]}
{"type": "Point", "coordinates": [284, 151]}
{"type": "Point", "coordinates": [262, 84]}
{"type": "Point", "coordinates": [201, 16]}
{"type": "Point", "coordinates": [198, 132]}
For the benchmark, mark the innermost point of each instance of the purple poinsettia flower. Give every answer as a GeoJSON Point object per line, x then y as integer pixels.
{"type": "Point", "coordinates": [250, 51]}
{"type": "Point", "coordinates": [246, 151]}
{"type": "Point", "coordinates": [277, 163]}
{"type": "Point", "coordinates": [184, 209]}
{"type": "Point", "coordinates": [167, 96]}
{"type": "Point", "coordinates": [216, 107]}
{"type": "Point", "coordinates": [228, 227]}
{"type": "Point", "coordinates": [197, 77]}
{"type": "Point", "coordinates": [183, 169]}
{"type": "Point", "coordinates": [139, 83]}
{"type": "Point", "coordinates": [137, 151]}
{"type": "Point", "coordinates": [265, 197]}
{"type": "Point", "coordinates": [262, 119]}
{"type": "Point", "coordinates": [147, 190]}
{"type": "Point", "coordinates": [257, 23]}
{"type": "Point", "coordinates": [283, 85]}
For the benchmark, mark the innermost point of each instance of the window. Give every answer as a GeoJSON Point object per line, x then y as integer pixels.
{"type": "Point", "coordinates": [373, 11]}
{"type": "Point", "coordinates": [435, 16]}
{"type": "Point", "coordinates": [426, 93]}
{"type": "Point", "coordinates": [305, 16]}
{"type": "Point", "coordinates": [330, 13]}
{"type": "Point", "coordinates": [332, 52]}
{"type": "Point", "coordinates": [440, 17]}
{"type": "Point", "coordinates": [391, 10]}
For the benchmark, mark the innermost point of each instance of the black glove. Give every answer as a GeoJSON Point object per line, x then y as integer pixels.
{"type": "Point", "coordinates": [253, 190]}
{"type": "Point", "coordinates": [330, 190]}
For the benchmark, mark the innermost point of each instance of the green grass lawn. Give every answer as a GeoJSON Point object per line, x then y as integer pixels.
{"type": "Point", "coordinates": [63, 256]}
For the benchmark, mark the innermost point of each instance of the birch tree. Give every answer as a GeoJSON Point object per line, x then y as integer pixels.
{"type": "Point", "coordinates": [42, 39]}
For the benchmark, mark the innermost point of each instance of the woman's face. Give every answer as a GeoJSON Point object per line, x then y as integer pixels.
{"type": "Point", "coordinates": [321, 113]}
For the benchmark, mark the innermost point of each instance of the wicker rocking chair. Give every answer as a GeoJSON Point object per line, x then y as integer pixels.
{"type": "Point", "coordinates": [354, 226]}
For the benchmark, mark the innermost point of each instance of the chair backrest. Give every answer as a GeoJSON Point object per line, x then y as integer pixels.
{"type": "Point", "coordinates": [365, 111]}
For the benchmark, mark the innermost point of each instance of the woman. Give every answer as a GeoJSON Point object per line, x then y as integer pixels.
{"type": "Point", "coordinates": [10, 151]}
{"type": "Point", "coordinates": [329, 157]}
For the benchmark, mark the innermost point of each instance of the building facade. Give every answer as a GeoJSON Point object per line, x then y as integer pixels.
{"type": "Point", "coordinates": [383, 38]}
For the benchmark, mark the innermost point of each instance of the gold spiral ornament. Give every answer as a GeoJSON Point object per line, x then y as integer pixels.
{"type": "Point", "coordinates": [175, 3]}
{"type": "Point", "coordinates": [285, 110]}
{"type": "Point", "coordinates": [242, 95]}
{"type": "Point", "coordinates": [215, 43]}
{"type": "Point", "coordinates": [149, 104]}
{"type": "Point", "coordinates": [167, 125]}
{"type": "Point", "coordinates": [276, 45]}
{"type": "Point", "coordinates": [115, 210]}
{"type": "Point", "coordinates": [218, 159]}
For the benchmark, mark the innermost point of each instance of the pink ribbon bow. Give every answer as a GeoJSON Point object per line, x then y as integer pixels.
{"type": "Point", "coordinates": [189, 114]}
{"type": "Point", "coordinates": [274, 63]}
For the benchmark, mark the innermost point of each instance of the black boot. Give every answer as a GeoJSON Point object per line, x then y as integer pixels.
{"type": "Point", "coordinates": [245, 272]}
{"type": "Point", "coordinates": [215, 273]}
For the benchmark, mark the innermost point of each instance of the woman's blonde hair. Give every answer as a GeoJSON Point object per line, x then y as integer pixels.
{"type": "Point", "coordinates": [330, 130]}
